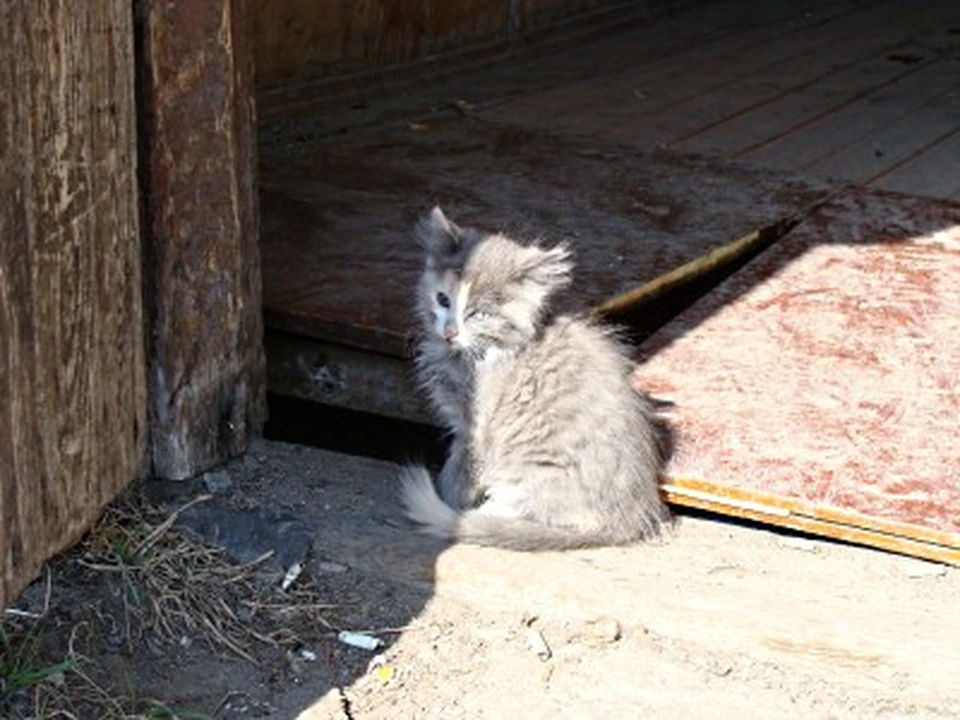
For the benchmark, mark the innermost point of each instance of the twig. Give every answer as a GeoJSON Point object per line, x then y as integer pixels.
{"type": "Point", "coordinates": [17, 612]}
{"type": "Point", "coordinates": [166, 524]}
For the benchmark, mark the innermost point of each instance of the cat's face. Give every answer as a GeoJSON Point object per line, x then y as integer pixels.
{"type": "Point", "coordinates": [484, 291]}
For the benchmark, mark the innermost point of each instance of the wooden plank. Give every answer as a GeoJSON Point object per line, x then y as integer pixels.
{"type": "Point", "coordinates": [882, 151]}
{"type": "Point", "coordinates": [742, 134]}
{"type": "Point", "coordinates": [355, 96]}
{"type": "Point", "coordinates": [297, 38]}
{"type": "Point", "coordinates": [932, 173]}
{"type": "Point", "coordinates": [796, 148]}
{"type": "Point", "coordinates": [823, 375]}
{"type": "Point", "coordinates": [341, 376]}
{"type": "Point", "coordinates": [207, 382]}
{"type": "Point", "coordinates": [809, 518]}
{"type": "Point", "coordinates": [72, 385]}
{"type": "Point", "coordinates": [338, 217]}
{"type": "Point", "coordinates": [660, 102]}
{"type": "Point", "coordinates": [891, 30]}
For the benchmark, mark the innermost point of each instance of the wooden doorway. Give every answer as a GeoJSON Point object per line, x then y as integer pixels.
{"type": "Point", "coordinates": [130, 332]}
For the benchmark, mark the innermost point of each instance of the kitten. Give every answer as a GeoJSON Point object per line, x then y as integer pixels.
{"type": "Point", "coordinates": [552, 446]}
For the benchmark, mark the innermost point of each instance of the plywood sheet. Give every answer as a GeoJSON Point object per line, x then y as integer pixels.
{"type": "Point", "coordinates": [820, 385]}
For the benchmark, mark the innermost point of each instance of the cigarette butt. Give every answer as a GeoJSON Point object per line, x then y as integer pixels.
{"type": "Point", "coordinates": [358, 640]}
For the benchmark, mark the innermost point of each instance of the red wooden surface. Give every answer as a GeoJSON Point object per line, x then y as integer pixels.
{"type": "Point", "coordinates": [337, 216]}
{"type": "Point", "coordinates": [828, 369]}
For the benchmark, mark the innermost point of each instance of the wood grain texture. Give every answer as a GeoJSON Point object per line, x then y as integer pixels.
{"type": "Point", "coordinates": [861, 92]}
{"type": "Point", "coordinates": [202, 258]}
{"type": "Point", "coordinates": [825, 371]}
{"type": "Point", "coordinates": [829, 522]}
{"type": "Point", "coordinates": [296, 38]}
{"type": "Point", "coordinates": [72, 386]}
{"type": "Point", "coordinates": [305, 40]}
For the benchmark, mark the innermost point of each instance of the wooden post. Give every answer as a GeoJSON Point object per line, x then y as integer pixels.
{"type": "Point", "coordinates": [202, 267]}
{"type": "Point", "coordinates": [72, 385]}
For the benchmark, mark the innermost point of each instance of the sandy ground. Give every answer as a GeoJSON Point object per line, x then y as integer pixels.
{"type": "Point", "coordinates": [717, 620]}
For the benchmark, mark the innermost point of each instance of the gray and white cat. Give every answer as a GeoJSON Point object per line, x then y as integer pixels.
{"type": "Point", "coordinates": [552, 446]}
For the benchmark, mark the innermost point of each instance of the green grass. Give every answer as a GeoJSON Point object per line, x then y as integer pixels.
{"type": "Point", "coordinates": [36, 689]}
{"type": "Point", "coordinates": [24, 679]}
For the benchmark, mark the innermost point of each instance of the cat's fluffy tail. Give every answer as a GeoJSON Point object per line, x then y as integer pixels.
{"type": "Point", "coordinates": [425, 507]}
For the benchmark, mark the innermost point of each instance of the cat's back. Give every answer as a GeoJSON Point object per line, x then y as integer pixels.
{"type": "Point", "coordinates": [574, 369]}
{"type": "Point", "coordinates": [580, 350]}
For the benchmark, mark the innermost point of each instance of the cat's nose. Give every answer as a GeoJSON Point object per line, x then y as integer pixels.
{"type": "Point", "coordinates": [450, 332]}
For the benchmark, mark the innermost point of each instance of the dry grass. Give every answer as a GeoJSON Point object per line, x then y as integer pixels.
{"type": "Point", "coordinates": [168, 588]}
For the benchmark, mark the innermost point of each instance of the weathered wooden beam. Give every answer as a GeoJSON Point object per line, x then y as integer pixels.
{"type": "Point", "coordinates": [344, 377]}
{"type": "Point", "coordinates": [202, 268]}
{"type": "Point", "coordinates": [72, 385]}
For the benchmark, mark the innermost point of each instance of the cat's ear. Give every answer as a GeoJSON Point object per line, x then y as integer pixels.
{"type": "Point", "coordinates": [546, 271]}
{"type": "Point", "coordinates": [437, 234]}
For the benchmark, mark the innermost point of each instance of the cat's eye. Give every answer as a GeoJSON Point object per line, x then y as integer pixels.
{"type": "Point", "coordinates": [478, 315]}
{"type": "Point", "coordinates": [443, 300]}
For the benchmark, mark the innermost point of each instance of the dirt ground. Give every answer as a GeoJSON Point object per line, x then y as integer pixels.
{"type": "Point", "coordinates": [716, 620]}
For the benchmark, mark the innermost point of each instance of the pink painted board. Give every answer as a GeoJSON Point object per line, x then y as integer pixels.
{"type": "Point", "coordinates": [828, 369]}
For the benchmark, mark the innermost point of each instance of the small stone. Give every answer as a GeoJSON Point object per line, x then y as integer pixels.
{"type": "Point", "coordinates": [295, 664]}
{"type": "Point", "coordinates": [462, 107]}
{"type": "Point", "coordinates": [602, 631]}
{"type": "Point", "coordinates": [217, 481]}
{"type": "Point", "coordinates": [721, 669]}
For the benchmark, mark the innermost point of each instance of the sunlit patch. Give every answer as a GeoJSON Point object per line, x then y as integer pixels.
{"type": "Point", "coordinates": [463, 338]}
{"type": "Point", "coordinates": [440, 318]}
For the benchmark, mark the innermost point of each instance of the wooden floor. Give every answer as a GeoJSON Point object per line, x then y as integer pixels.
{"type": "Point", "coordinates": [647, 150]}
{"type": "Point", "coordinates": [867, 93]}
{"type": "Point", "coordinates": [817, 92]}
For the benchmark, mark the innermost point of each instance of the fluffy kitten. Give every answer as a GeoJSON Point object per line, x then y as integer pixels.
{"type": "Point", "coordinates": [552, 447]}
